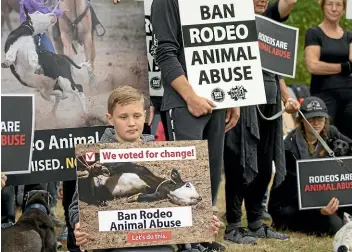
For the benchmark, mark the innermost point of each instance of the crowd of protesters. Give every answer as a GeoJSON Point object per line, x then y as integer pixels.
{"type": "Point", "coordinates": [241, 139]}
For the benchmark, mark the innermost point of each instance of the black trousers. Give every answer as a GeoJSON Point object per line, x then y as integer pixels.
{"type": "Point", "coordinates": [309, 221]}
{"type": "Point", "coordinates": [236, 189]}
{"type": "Point", "coordinates": [339, 104]}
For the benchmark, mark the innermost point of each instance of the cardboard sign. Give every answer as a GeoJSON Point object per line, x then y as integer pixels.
{"type": "Point", "coordinates": [17, 128]}
{"type": "Point", "coordinates": [117, 57]}
{"type": "Point", "coordinates": [319, 180]}
{"type": "Point", "coordinates": [155, 86]}
{"type": "Point", "coordinates": [143, 194]}
{"type": "Point", "coordinates": [221, 51]}
{"type": "Point", "coordinates": [349, 9]}
{"type": "Point", "coordinates": [278, 44]}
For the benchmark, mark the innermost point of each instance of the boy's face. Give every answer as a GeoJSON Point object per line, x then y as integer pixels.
{"type": "Point", "coordinates": [128, 121]}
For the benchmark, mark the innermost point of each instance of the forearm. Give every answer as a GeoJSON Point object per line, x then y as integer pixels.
{"type": "Point", "coordinates": [285, 7]}
{"type": "Point", "coordinates": [183, 88]}
{"type": "Point", "coordinates": [323, 68]}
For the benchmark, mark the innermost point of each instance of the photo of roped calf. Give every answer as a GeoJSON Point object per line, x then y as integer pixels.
{"type": "Point", "coordinates": [137, 182]}
{"type": "Point", "coordinates": [71, 54]}
{"type": "Point", "coordinates": [34, 68]}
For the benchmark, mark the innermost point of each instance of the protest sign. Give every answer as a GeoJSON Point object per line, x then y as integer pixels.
{"type": "Point", "coordinates": [319, 180]}
{"type": "Point", "coordinates": [278, 45]}
{"type": "Point", "coordinates": [155, 86]}
{"type": "Point", "coordinates": [143, 194]}
{"type": "Point", "coordinates": [349, 9]}
{"type": "Point", "coordinates": [117, 57]}
{"type": "Point", "coordinates": [53, 156]}
{"type": "Point", "coordinates": [17, 128]}
{"type": "Point", "coordinates": [221, 51]}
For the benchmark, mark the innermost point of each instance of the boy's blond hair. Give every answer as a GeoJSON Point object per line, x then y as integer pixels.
{"type": "Point", "coordinates": [124, 95]}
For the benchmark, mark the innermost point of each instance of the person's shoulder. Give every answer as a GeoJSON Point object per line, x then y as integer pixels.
{"type": "Point", "coordinates": [314, 29]}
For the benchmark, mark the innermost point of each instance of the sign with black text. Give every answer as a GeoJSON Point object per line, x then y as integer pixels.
{"type": "Point", "coordinates": [221, 51]}
{"type": "Point", "coordinates": [319, 180]}
{"type": "Point", "coordinates": [155, 86]}
{"type": "Point", "coordinates": [143, 194]}
{"type": "Point", "coordinates": [53, 156]}
{"type": "Point", "coordinates": [278, 44]}
{"type": "Point", "coordinates": [17, 127]}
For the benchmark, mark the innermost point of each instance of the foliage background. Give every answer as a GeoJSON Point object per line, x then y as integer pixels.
{"type": "Point", "coordinates": [306, 14]}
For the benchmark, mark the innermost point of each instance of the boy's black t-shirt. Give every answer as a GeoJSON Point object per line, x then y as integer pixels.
{"type": "Point", "coordinates": [270, 82]}
{"type": "Point", "coordinates": [331, 51]}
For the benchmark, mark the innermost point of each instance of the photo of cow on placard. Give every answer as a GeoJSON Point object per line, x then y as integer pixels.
{"type": "Point", "coordinates": [170, 178]}
{"type": "Point", "coordinates": [70, 55]}
{"type": "Point", "coordinates": [138, 183]}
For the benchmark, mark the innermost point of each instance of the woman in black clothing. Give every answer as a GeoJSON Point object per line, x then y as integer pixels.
{"type": "Point", "coordinates": [301, 143]}
{"type": "Point", "coordinates": [328, 55]}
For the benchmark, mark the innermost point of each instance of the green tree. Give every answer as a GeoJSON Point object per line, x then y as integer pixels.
{"type": "Point", "coordinates": [306, 14]}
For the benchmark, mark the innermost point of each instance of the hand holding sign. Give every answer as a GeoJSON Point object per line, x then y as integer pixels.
{"type": "Point", "coordinates": [81, 237]}
{"type": "Point", "coordinates": [199, 106]}
{"type": "Point", "coordinates": [232, 117]}
{"type": "Point", "coordinates": [331, 208]}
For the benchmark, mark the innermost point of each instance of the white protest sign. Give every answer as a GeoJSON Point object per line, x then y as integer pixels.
{"type": "Point", "coordinates": [139, 219]}
{"type": "Point", "coordinates": [155, 86]}
{"type": "Point", "coordinates": [221, 50]}
{"type": "Point", "coordinates": [349, 9]}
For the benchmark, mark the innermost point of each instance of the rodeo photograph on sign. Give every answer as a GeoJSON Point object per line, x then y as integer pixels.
{"type": "Point", "coordinates": [70, 54]}
{"type": "Point", "coordinates": [139, 194]}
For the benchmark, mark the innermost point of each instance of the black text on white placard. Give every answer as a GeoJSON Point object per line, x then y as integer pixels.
{"type": "Point", "coordinates": [221, 51]}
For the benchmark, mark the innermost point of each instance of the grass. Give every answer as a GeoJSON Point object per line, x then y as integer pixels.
{"type": "Point", "coordinates": [297, 243]}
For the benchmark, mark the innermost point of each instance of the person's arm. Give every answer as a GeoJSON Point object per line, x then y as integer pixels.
{"type": "Point", "coordinates": [285, 7]}
{"type": "Point", "coordinates": [312, 57]}
{"type": "Point", "coordinates": [73, 209]}
{"type": "Point", "coordinates": [166, 25]}
{"type": "Point", "coordinates": [291, 105]}
{"type": "Point", "coordinates": [165, 21]}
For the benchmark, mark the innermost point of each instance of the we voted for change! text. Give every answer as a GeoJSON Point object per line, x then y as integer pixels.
{"type": "Point", "coordinates": [221, 51]}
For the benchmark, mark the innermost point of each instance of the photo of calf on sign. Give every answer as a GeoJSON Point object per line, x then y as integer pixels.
{"type": "Point", "coordinates": [142, 194]}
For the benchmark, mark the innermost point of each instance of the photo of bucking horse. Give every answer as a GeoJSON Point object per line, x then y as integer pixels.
{"type": "Point", "coordinates": [48, 73]}
{"type": "Point", "coordinates": [76, 27]}
{"type": "Point", "coordinates": [100, 183]}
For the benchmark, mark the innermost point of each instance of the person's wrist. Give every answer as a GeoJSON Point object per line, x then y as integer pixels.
{"type": "Point", "coordinates": [346, 68]}
{"type": "Point", "coordinates": [189, 97]}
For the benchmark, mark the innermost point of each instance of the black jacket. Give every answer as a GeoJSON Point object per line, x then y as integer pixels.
{"type": "Point", "coordinates": [285, 197]}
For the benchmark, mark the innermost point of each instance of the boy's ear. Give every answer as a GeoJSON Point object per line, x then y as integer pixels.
{"type": "Point", "coordinates": [109, 118]}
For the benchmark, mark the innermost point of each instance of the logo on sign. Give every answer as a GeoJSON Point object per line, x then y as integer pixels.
{"type": "Point", "coordinates": [218, 95]}
{"type": "Point", "coordinates": [155, 83]}
{"type": "Point", "coordinates": [238, 93]}
{"type": "Point", "coordinates": [90, 156]}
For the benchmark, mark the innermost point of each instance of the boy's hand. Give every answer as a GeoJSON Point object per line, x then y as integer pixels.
{"type": "Point", "coordinates": [331, 208]}
{"type": "Point", "coordinates": [215, 225]}
{"type": "Point", "coordinates": [81, 237]}
{"type": "Point", "coordinates": [199, 106]}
